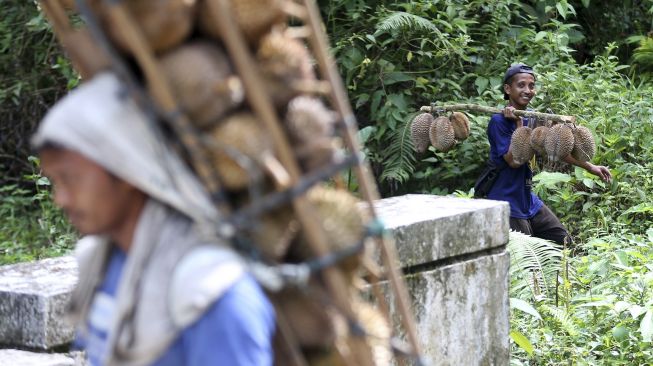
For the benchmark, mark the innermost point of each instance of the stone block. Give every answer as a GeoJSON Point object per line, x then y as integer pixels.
{"type": "Point", "coordinates": [428, 228]}
{"type": "Point", "coordinates": [24, 358]}
{"type": "Point", "coordinates": [462, 312]}
{"type": "Point", "coordinates": [33, 298]}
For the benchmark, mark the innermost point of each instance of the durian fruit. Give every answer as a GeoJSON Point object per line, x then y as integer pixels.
{"type": "Point", "coordinates": [202, 81]}
{"type": "Point", "coordinates": [343, 222]}
{"type": "Point", "coordinates": [377, 336]}
{"type": "Point", "coordinates": [274, 231]}
{"type": "Point", "coordinates": [559, 142]}
{"type": "Point", "coordinates": [310, 320]}
{"type": "Point", "coordinates": [164, 23]}
{"type": "Point", "coordinates": [285, 66]}
{"type": "Point", "coordinates": [254, 17]}
{"type": "Point", "coordinates": [318, 153]}
{"type": "Point", "coordinates": [520, 145]}
{"type": "Point", "coordinates": [239, 139]}
{"type": "Point", "coordinates": [308, 119]}
{"type": "Point", "coordinates": [310, 125]}
{"type": "Point", "coordinates": [441, 134]}
{"type": "Point", "coordinates": [538, 136]}
{"type": "Point", "coordinates": [584, 145]}
{"type": "Point", "coordinates": [419, 131]}
{"type": "Point", "coordinates": [460, 124]}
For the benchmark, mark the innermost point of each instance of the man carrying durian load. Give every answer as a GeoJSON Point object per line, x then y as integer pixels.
{"type": "Point", "coordinates": [157, 286]}
{"type": "Point", "coordinates": [528, 214]}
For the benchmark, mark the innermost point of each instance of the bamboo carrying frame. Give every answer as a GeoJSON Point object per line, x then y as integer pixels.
{"type": "Point", "coordinates": [162, 103]}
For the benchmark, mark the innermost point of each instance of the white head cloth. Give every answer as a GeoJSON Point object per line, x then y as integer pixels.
{"type": "Point", "coordinates": [100, 120]}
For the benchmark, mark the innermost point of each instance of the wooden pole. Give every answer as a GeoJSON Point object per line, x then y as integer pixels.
{"type": "Point", "coordinates": [490, 110]}
{"type": "Point", "coordinates": [262, 105]}
{"type": "Point", "coordinates": [339, 98]}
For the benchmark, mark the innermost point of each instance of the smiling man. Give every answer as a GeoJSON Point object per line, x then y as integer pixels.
{"type": "Point", "coordinates": [528, 214]}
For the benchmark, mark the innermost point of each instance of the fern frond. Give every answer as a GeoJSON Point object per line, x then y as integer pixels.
{"type": "Point", "coordinates": [402, 21]}
{"type": "Point", "coordinates": [563, 318]}
{"type": "Point", "coordinates": [643, 54]}
{"type": "Point", "coordinates": [398, 158]}
{"type": "Point", "coordinates": [534, 264]}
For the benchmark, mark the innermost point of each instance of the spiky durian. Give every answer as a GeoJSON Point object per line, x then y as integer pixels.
{"type": "Point", "coordinates": [584, 145]}
{"type": "Point", "coordinates": [274, 231]}
{"type": "Point", "coordinates": [201, 80]}
{"type": "Point", "coordinates": [308, 119]}
{"type": "Point", "coordinates": [286, 67]}
{"type": "Point", "coordinates": [254, 17]}
{"type": "Point", "coordinates": [343, 223]}
{"type": "Point", "coordinates": [239, 143]}
{"type": "Point", "coordinates": [520, 145]}
{"type": "Point", "coordinates": [559, 142]}
{"type": "Point", "coordinates": [441, 134]}
{"type": "Point", "coordinates": [419, 131]}
{"type": "Point", "coordinates": [538, 136]}
{"type": "Point", "coordinates": [460, 124]}
{"type": "Point", "coordinates": [164, 23]}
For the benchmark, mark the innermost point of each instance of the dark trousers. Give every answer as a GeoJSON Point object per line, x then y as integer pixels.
{"type": "Point", "coordinates": [545, 224]}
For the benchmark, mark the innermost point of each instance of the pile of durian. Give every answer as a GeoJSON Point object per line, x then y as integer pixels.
{"type": "Point", "coordinates": [553, 142]}
{"type": "Point", "coordinates": [440, 132]}
{"type": "Point", "coordinates": [191, 55]}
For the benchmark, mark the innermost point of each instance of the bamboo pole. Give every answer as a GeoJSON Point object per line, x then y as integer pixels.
{"type": "Point", "coordinates": [234, 41]}
{"type": "Point", "coordinates": [339, 98]}
{"type": "Point", "coordinates": [490, 110]}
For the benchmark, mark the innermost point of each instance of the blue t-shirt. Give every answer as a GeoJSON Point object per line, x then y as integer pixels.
{"type": "Point", "coordinates": [236, 330]}
{"type": "Point", "coordinates": [513, 184]}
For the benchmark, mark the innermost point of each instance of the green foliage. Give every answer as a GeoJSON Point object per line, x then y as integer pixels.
{"type": "Point", "coordinates": [34, 74]}
{"type": "Point", "coordinates": [31, 226]}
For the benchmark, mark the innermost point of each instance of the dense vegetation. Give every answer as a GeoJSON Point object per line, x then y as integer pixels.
{"type": "Point", "coordinates": [590, 303]}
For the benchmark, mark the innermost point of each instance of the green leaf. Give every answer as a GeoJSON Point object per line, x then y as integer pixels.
{"type": "Point", "coordinates": [481, 84]}
{"type": "Point", "coordinates": [525, 307]}
{"type": "Point", "coordinates": [540, 35]}
{"type": "Point", "coordinates": [561, 10]}
{"type": "Point", "coordinates": [522, 341]}
{"type": "Point", "coordinates": [646, 326]}
{"type": "Point", "coordinates": [396, 77]}
{"type": "Point", "coordinates": [549, 179]}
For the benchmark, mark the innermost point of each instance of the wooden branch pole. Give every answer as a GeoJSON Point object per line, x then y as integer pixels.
{"type": "Point", "coordinates": [361, 354]}
{"type": "Point", "coordinates": [319, 45]}
{"type": "Point", "coordinates": [490, 110]}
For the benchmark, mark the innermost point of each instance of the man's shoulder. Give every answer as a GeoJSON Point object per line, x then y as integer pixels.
{"type": "Point", "coordinates": [200, 278]}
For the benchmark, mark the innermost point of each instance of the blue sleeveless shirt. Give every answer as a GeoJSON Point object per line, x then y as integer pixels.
{"type": "Point", "coordinates": [513, 184]}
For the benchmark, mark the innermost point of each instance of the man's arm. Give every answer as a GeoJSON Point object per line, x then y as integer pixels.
{"type": "Point", "coordinates": [598, 170]}
{"type": "Point", "coordinates": [508, 112]}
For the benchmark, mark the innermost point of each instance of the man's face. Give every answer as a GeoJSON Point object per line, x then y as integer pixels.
{"type": "Point", "coordinates": [520, 90]}
{"type": "Point", "coordinates": [95, 201]}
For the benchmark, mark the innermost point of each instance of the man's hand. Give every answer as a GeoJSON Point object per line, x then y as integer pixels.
{"type": "Point", "coordinates": [598, 170]}
{"type": "Point", "coordinates": [601, 172]}
{"type": "Point", "coordinates": [509, 113]}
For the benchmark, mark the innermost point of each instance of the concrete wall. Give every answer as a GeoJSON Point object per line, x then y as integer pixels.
{"type": "Point", "coordinates": [453, 252]}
